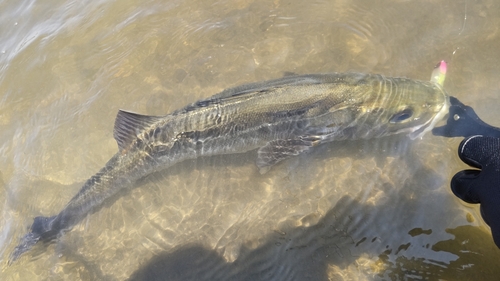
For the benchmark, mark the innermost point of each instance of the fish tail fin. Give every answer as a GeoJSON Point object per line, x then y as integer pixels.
{"type": "Point", "coordinates": [44, 227]}
{"type": "Point", "coordinates": [41, 229]}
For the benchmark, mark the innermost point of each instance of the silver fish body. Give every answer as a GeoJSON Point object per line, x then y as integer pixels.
{"type": "Point", "coordinates": [281, 118]}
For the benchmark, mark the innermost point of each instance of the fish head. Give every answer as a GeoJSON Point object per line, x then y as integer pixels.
{"type": "Point", "coordinates": [412, 108]}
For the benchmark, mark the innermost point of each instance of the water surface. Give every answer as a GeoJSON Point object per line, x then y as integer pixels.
{"type": "Point", "coordinates": [364, 210]}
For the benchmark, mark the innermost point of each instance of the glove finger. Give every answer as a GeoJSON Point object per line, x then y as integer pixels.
{"type": "Point", "coordinates": [463, 186]}
{"type": "Point", "coordinates": [478, 151]}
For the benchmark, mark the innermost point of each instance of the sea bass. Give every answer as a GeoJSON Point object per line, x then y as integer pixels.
{"type": "Point", "coordinates": [278, 118]}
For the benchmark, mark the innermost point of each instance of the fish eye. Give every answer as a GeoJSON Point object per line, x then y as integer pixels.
{"type": "Point", "coordinates": [401, 116]}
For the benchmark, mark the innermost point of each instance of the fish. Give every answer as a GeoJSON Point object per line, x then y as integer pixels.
{"type": "Point", "coordinates": [278, 118]}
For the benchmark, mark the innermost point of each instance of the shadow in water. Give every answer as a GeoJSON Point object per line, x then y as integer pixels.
{"type": "Point", "coordinates": [298, 254]}
{"type": "Point", "coordinates": [323, 251]}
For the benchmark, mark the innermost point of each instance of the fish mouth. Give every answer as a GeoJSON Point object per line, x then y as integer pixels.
{"type": "Point", "coordinates": [419, 131]}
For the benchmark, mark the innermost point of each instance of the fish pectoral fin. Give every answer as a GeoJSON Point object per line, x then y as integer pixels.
{"type": "Point", "coordinates": [278, 150]}
{"type": "Point", "coordinates": [128, 124]}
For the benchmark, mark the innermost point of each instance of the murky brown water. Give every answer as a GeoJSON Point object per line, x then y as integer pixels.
{"type": "Point", "coordinates": [349, 210]}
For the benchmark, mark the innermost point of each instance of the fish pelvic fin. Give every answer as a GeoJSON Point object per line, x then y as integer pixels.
{"type": "Point", "coordinates": [41, 229]}
{"type": "Point", "coordinates": [278, 150]}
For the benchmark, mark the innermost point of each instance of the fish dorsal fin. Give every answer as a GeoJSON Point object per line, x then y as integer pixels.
{"type": "Point", "coordinates": [258, 87]}
{"type": "Point", "coordinates": [129, 125]}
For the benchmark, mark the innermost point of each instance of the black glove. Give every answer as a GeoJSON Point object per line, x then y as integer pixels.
{"type": "Point", "coordinates": [480, 149]}
{"type": "Point", "coordinates": [481, 186]}
{"type": "Point", "coordinates": [463, 122]}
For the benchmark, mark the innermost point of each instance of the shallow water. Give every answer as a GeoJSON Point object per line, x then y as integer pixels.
{"type": "Point", "coordinates": [365, 210]}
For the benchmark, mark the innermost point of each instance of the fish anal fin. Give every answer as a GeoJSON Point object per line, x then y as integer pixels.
{"type": "Point", "coordinates": [278, 150]}
{"type": "Point", "coordinates": [128, 125]}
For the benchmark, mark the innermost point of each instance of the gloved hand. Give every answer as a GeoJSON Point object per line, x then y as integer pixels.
{"type": "Point", "coordinates": [481, 186]}
{"type": "Point", "coordinates": [480, 149]}
{"type": "Point", "coordinates": [463, 122]}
